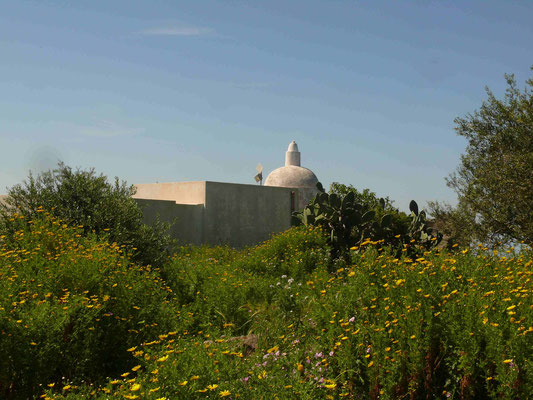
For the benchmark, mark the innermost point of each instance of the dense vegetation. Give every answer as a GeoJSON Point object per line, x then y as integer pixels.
{"type": "Point", "coordinates": [80, 320]}
{"type": "Point", "coordinates": [70, 305]}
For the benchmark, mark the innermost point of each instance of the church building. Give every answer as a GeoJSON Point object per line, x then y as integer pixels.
{"type": "Point", "coordinates": [233, 214]}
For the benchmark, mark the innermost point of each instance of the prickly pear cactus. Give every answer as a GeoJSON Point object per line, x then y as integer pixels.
{"type": "Point", "coordinates": [348, 223]}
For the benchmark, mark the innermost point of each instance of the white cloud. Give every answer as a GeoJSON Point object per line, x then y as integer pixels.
{"type": "Point", "coordinates": [176, 31]}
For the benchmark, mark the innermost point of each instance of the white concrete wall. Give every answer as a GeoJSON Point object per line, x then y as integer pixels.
{"type": "Point", "coordinates": [179, 192]}
{"type": "Point", "coordinates": [243, 215]}
{"type": "Point", "coordinates": [187, 219]}
{"type": "Point", "coordinates": [217, 213]}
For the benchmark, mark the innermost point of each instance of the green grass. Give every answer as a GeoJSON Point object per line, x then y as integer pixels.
{"type": "Point", "coordinates": [445, 325]}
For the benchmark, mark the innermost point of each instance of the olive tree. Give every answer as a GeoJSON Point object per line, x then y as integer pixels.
{"type": "Point", "coordinates": [494, 181]}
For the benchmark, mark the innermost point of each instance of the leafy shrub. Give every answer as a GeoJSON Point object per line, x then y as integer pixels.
{"type": "Point", "coordinates": [84, 198]}
{"type": "Point", "coordinates": [436, 326]}
{"type": "Point", "coordinates": [294, 253]}
{"type": "Point", "coordinates": [212, 294]}
{"type": "Point", "coordinates": [440, 326]}
{"type": "Point", "coordinates": [220, 286]}
{"type": "Point", "coordinates": [70, 306]}
{"type": "Point", "coordinates": [191, 266]}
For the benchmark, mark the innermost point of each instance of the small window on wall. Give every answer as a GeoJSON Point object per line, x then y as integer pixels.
{"type": "Point", "coordinates": [293, 201]}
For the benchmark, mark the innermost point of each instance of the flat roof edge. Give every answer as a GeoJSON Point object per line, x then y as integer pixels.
{"type": "Point", "coordinates": [218, 183]}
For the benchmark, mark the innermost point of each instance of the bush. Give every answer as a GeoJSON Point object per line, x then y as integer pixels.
{"type": "Point", "coordinates": [84, 198]}
{"type": "Point", "coordinates": [220, 285]}
{"type": "Point", "coordinates": [211, 293]}
{"type": "Point", "coordinates": [70, 306]}
{"type": "Point", "coordinates": [294, 253]}
{"type": "Point", "coordinates": [440, 326]}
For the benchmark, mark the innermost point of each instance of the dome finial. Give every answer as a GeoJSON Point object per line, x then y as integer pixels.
{"type": "Point", "coordinates": [292, 156]}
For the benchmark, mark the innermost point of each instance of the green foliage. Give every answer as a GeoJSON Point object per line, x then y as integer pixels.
{"type": "Point", "coordinates": [86, 199]}
{"type": "Point", "coordinates": [294, 253]}
{"type": "Point", "coordinates": [78, 321]}
{"type": "Point", "coordinates": [349, 223]}
{"type": "Point", "coordinates": [441, 326]}
{"type": "Point", "coordinates": [255, 275]}
{"type": "Point", "coordinates": [494, 182]}
{"type": "Point", "coordinates": [70, 306]}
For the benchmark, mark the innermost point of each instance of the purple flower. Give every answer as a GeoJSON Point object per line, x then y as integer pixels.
{"type": "Point", "coordinates": [351, 319]}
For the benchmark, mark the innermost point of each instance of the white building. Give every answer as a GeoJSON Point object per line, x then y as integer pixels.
{"type": "Point", "coordinates": [238, 215]}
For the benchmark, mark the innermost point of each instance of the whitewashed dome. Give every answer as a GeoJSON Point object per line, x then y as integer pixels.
{"type": "Point", "coordinates": [292, 174]}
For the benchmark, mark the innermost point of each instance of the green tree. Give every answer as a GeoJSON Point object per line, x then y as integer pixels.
{"type": "Point", "coordinates": [494, 181]}
{"type": "Point", "coordinates": [84, 198]}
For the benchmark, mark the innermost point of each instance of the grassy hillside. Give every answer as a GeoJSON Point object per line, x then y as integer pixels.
{"type": "Point", "coordinates": [281, 320]}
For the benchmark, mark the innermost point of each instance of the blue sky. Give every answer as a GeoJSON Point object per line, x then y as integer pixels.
{"type": "Point", "coordinates": [177, 90]}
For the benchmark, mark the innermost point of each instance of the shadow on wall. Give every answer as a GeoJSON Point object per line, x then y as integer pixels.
{"type": "Point", "coordinates": [232, 214]}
